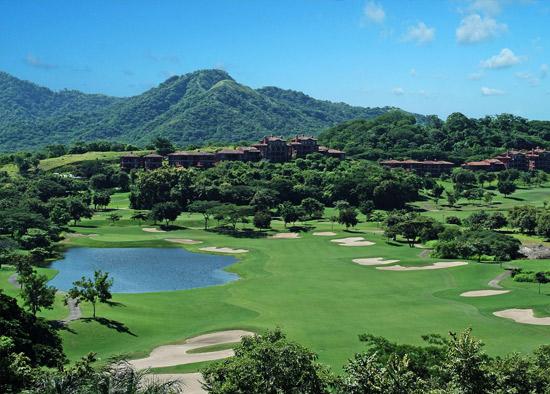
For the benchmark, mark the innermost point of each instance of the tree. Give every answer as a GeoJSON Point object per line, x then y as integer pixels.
{"type": "Point", "coordinates": [543, 225]}
{"type": "Point", "coordinates": [312, 208]}
{"type": "Point", "coordinates": [59, 215]}
{"type": "Point", "coordinates": [506, 187]}
{"type": "Point", "coordinates": [289, 213]}
{"type": "Point", "coordinates": [139, 216]}
{"type": "Point", "coordinates": [267, 364]}
{"type": "Point", "coordinates": [524, 218]}
{"type": "Point", "coordinates": [163, 146]}
{"type": "Point", "coordinates": [348, 217]}
{"type": "Point", "coordinates": [206, 208]}
{"type": "Point", "coordinates": [77, 209]}
{"type": "Point", "coordinates": [92, 291]}
{"type": "Point", "coordinates": [114, 217]}
{"type": "Point", "coordinates": [101, 199]}
{"type": "Point", "coordinates": [437, 192]}
{"type": "Point", "coordinates": [168, 211]}
{"type": "Point", "coordinates": [541, 279]}
{"type": "Point", "coordinates": [451, 198]}
{"type": "Point", "coordinates": [488, 197]}
{"type": "Point", "coordinates": [333, 219]}
{"type": "Point", "coordinates": [367, 209]}
{"type": "Point", "coordinates": [262, 220]}
{"type": "Point", "coordinates": [36, 293]}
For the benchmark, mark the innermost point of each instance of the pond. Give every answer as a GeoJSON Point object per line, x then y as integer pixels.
{"type": "Point", "coordinates": [142, 270]}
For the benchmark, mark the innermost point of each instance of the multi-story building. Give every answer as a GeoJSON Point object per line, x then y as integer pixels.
{"type": "Point", "coordinates": [152, 161]}
{"type": "Point", "coordinates": [274, 149]}
{"type": "Point", "coordinates": [302, 146]}
{"type": "Point", "coordinates": [191, 159]}
{"type": "Point", "coordinates": [130, 161]}
{"type": "Point", "coordinates": [433, 167]}
{"type": "Point", "coordinates": [488, 165]}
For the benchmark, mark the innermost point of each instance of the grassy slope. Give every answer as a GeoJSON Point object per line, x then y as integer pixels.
{"type": "Point", "coordinates": [55, 162]}
{"type": "Point", "coordinates": [311, 289]}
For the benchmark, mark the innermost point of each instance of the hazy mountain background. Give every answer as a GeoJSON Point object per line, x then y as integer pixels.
{"type": "Point", "coordinates": [195, 108]}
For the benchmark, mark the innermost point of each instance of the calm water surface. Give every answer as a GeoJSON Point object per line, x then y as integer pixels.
{"type": "Point", "coordinates": [141, 270]}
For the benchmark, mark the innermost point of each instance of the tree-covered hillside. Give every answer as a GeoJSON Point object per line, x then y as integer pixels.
{"type": "Point", "coordinates": [196, 108]}
{"type": "Point", "coordinates": [397, 134]}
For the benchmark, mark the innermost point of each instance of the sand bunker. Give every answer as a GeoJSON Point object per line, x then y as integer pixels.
{"type": "Point", "coordinates": [325, 234]}
{"type": "Point", "coordinates": [223, 250]}
{"type": "Point", "coordinates": [169, 355]}
{"type": "Point", "coordinates": [483, 293]}
{"type": "Point", "coordinates": [352, 241]}
{"type": "Point", "coordinates": [285, 236]}
{"type": "Point", "coordinates": [79, 235]}
{"type": "Point", "coordinates": [152, 230]}
{"type": "Point", "coordinates": [524, 316]}
{"type": "Point", "coordinates": [183, 241]}
{"type": "Point", "coordinates": [435, 266]}
{"type": "Point", "coordinates": [374, 261]}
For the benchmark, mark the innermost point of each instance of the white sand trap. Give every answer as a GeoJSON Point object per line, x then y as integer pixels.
{"type": "Point", "coordinates": [434, 266]}
{"type": "Point", "coordinates": [183, 241]}
{"type": "Point", "coordinates": [352, 241]}
{"type": "Point", "coordinates": [483, 293]}
{"type": "Point", "coordinates": [524, 316]}
{"type": "Point", "coordinates": [223, 250]}
{"type": "Point", "coordinates": [169, 355]}
{"type": "Point", "coordinates": [285, 236]}
{"type": "Point", "coordinates": [79, 235]}
{"type": "Point", "coordinates": [374, 261]}
{"type": "Point", "coordinates": [325, 234]}
{"type": "Point", "coordinates": [152, 230]}
{"type": "Point", "coordinates": [189, 383]}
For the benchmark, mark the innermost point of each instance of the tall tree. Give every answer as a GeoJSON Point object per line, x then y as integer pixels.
{"type": "Point", "coordinates": [93, 290]}
{"type": "Point", "coordinates": [36, 293]}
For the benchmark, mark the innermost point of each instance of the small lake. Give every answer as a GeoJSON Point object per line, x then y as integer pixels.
{"type": "Point", "coordinates": [142, 270]}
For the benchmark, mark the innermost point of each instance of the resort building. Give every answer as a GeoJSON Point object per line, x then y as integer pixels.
{"type": "Point", "coordinates": [274, 149]}
{"type": "Point", "coordinates": [534, 159]}
{"type": "Point", "coordinates": [131, 161]}
{"type": "Point", "coordinates": [432, 167]}
{"type": "Point", "coordinates": [152, 161]}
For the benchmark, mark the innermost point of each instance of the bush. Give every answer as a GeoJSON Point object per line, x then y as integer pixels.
{"type": "Point", "coordinates": [453, 220]}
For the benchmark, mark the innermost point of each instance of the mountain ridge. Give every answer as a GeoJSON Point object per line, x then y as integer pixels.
{"type": "Point", "coordinates": [194, 108]}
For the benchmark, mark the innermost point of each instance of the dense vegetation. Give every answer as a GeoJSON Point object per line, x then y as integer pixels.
{"type": "Point", "coordinates": [199, 107]}
{"type": "Point", "coordinates": [398, 135]}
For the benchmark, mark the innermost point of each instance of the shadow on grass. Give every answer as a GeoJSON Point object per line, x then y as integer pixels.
{"type": "Point", "coordinates": [171, 227]}
{"type": "Point", "coordinates": [515, 198]}
{"type": "Point", "coordinates": [83, 226]}
{"type": "Point", "coordinates": [114, 303]}
{"type": "Point", "coordinates": [394, 243]}
{"type": "Point", "coordinates": [239, 233]}
{"type": "Point", "coordinates": [304, 228]}
{"type": "Point", "coordinates": [109, 323]}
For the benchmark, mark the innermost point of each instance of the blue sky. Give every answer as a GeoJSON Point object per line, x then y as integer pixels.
{"type": "Point", "coordinates": [433, 57]}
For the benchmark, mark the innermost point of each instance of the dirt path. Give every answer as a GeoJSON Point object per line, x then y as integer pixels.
{"type": "Point", "coordinates": [170, 355]}
{"type": "Point", "coordinates": [74, 311]}
{"type": "Point", "coordinates": [495, 283]}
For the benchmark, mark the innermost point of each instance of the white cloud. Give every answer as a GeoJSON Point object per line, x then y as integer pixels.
{"type": "Point", "coordinates": [544, 69]}
{"type": "Point", "coordinates": [530, 78]}
{"type": "Point", "coordinates": [374, 12]}
{"type": "Point", "coordinates": [475, 28]}
{"type": "Point", "coordinates": [506, 58]}
{"type": "Point", "coordinates": [413, 72]}
{"type": "Point", "coordinates": [420, 33]}
{"type": "Point", "coordinates": [36, 62]}
{"type": "Point", "coordinates": [475, 76]}
{"type": "Point", "coordinates": [398, 91]}
{"type": "Point", "coordinates": [489, 7]}
{"type": "Point", "coordinates": [491, 92]}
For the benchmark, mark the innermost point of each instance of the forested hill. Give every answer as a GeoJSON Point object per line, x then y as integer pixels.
{"type": "Point", "coordinates": [196, 108]}
{"type": "Point", "coordinates": [398, 135]}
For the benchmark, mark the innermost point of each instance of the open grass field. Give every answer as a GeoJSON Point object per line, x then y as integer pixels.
{"type": "Point", "coordinates": [55, 162]}
{"type": "Point", "coordinates": [308, 286]}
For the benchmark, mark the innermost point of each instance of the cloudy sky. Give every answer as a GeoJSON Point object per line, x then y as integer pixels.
{"type": "Point", "coordinates": [429, 56]}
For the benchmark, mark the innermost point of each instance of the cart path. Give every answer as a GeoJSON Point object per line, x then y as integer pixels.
{"type": "Point", "coordinates": [495, 283]}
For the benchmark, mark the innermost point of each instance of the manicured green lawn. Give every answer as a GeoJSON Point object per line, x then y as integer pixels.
{"type": "Point", "coordinates": [309, 287]}
{"type": "Point", "coordinates": [55, 162]}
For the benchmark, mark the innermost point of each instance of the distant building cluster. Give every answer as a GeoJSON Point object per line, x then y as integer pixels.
{"type": "Point", "coordinates": [274, 149]}
{"type": "Point", "coordinates": [433, 167]}
{"type": "Point", "coordinates": [526, 160]}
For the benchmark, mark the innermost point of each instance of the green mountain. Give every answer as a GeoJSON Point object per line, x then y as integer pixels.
{"type": "Point", "coordinates": [199, 107]}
